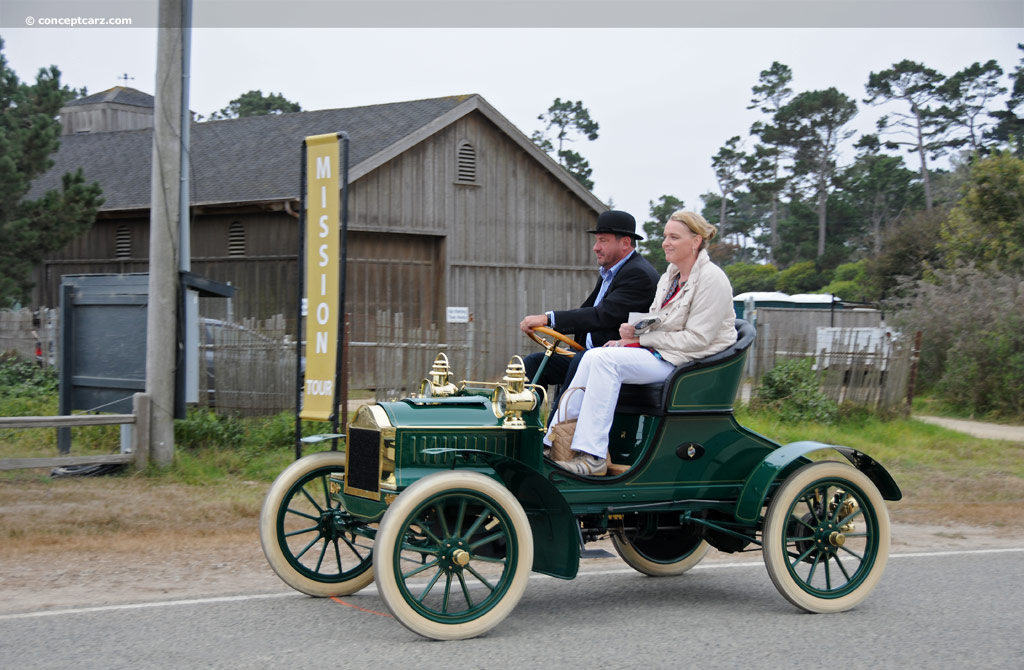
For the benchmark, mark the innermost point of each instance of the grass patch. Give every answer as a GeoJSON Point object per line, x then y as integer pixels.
{"type": "Point", "coordinates": [935, 467]}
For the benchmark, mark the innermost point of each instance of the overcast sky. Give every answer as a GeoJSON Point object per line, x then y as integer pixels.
{"type": "Point", "coordinates": [665, 99]}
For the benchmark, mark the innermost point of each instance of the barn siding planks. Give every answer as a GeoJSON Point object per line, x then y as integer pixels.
{"type": "Point", "coordinates": [512, 244]}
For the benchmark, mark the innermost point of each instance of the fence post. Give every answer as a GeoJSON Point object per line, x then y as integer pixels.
{"type": "Point", "coordinates": [915, 355]}
{"type": "Point", "coordinates": [140, 436]}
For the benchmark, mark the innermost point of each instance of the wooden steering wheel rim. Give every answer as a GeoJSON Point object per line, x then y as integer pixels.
{"type": "Point", "coordinates": [552, 333]}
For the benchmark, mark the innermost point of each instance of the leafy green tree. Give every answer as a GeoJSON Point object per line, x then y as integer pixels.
{"type": "Point", "coordinates": [727, 164]}
{"type": "Point", "coordinates": [254, 103]}
{"type": "Point", "coordinates": [1010, 126]}
{"type": "Point", "coordinates": [925, 128]}
{"type": "Point", "coordinates": [852, 282]}
{"type": "Point", "coordinates": [804, 277]}
{"type": "Point", "coordinates": [747, 277]}
{"type": "Point", "coordinates": [908, 251]}
{"type": "Point", "coordinates": [986, 227]}
{"type": "Point", "coordinates": [29, 135]}
{"type": "Point", "coordinates": [568, 121]}
{"type": "Point", "coordinates": [650, 247]}
{"type": "Point", "coordinates": [968, 95]}
{"type": "Point", "coordinates": [764, 165]}
{"type": "Point", "coordinates": [879, 188]}
{"type": "Point", "coordinates": [813, 124]}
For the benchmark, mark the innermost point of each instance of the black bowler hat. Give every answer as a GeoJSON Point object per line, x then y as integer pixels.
{"type": "Point", "coordinates": [618, 222]}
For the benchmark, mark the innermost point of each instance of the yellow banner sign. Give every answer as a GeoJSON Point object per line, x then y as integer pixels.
{"type": "Point", "coordinates": [323, 258]}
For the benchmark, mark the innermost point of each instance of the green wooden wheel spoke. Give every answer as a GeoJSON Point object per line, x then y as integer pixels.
{"type": "Point", "coordinates": [320, 561]}
{"type": "Point", "coordinates": [307, 547]}
{"type": "Point", "coordinates": [303, 531]}
{"type": "Point", "coordinates": [327, 493]}
{"type": "Point", "coordinates": [792, 539]}
{"type": "Point", "coordinates": [814, 566]}
{"type": "Point", "coordinates": [853, 553]}
{"type": "Point", "coordinates": [846, 520]}
{"type": "Point", "coordinates": [465, 592]}
{"type": "Point", "coordinates": [828, 574]}
{"type": "Point", "coordinates": [490, 538]}
{"type": "Point", "coordinates": [430, 585]}
{"type": "Point", "coordinates": [809, 501]}
{"type": "Point", "coordinates": [802, 556]}
{"type": "Point", "coordinates": [439, 508]}
{"type": "Point", "coordinates": [352, 546]}
{"type": "Point", "coordinates": [433, 551]}
{"type": "Point", "coordinates": [484, 515]}
{"type": "Point", "coordinates": [337, 555]}
{"type": "Point", "coordinates": [480, 578]}
{"type": "Point", "coordinates": [430, 534]}
{"type": "Point", "coordinates": [413, 573]}
{"type": "Point", "coordinates": [304, 515]}
{"type": "Point", "coordinates": [447, 594]}
{"type": "Point", "coordinates": [842, 568]}
{"type": "Point", "coordinates": [311, 501]}
{"type": "Point", "coordinates": [489, 559]}
{"type": "Point", "coordinates": [849, 535]}
{"type": "Point", "coordinates": [460, 517]}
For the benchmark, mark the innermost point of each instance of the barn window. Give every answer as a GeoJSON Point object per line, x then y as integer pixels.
{"type": "Point", "coordinates": [465, 164]}
{"type": "Point", "coordinates": [123, 242]}
{"type": "Point", "coordinates": [236, 239]}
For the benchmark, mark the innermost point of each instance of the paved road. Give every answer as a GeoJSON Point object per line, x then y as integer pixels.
{"type": "Point", "coordinates": [991, 431]}
{"type": "Point", "coordinates": [935, 609]}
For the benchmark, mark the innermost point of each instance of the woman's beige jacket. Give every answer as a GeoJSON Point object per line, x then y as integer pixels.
{"type": "Point", "coordinates": [699, 320]}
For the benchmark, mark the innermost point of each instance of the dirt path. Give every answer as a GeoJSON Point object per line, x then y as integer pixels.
{"type": "Point", "coordinates": [990, 431]}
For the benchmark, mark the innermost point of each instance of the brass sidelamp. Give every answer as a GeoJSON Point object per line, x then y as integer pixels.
{"type": "Point", "coordinates": [439, 385]}
{"type": "Point", "coordinates": [511, 398]}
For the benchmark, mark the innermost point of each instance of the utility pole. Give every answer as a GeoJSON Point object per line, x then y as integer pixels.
{"type": "Point", "coordinates": [164, 232]}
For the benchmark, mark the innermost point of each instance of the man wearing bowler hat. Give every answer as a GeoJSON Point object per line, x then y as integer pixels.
{"type": "Point", "coordinates": [627, 284]}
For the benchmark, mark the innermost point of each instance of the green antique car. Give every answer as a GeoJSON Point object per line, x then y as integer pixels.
{"type": "Point", "coordinates": [448, 502]}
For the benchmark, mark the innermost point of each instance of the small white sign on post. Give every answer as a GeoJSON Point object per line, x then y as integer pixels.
{"type": "Point", "coordinates": [458, 315]}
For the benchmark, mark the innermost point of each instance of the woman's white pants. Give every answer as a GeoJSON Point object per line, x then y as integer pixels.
{"type": "Point", "coordinates": [602, 372]}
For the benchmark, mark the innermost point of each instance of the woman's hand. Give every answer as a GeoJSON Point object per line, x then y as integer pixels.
{"type": "Point", "coordinates": [627, 331]}
{"type": "Point", "coordinates": [625, 342]}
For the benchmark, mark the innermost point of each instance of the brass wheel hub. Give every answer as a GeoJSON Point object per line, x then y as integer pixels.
{"type": "Point", "coordinates": [455, 556]}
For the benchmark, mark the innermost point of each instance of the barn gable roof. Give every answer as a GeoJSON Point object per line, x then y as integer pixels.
{"type": "Point", "coordinates": [256, 159]}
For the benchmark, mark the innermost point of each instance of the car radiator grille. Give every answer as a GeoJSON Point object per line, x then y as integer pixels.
{"type": "Point", "coordinates": [363, 460]}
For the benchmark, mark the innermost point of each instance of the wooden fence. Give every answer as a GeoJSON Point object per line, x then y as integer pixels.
{"type": "Point", "coordinates": [139, 448]}
{"type": "Point", "coordinates": [248, 368]}
{"type": "Point", "coordinates": [872, 372]}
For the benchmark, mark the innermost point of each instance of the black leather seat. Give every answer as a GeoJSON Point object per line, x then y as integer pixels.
{"type": "Point", "coordinates": [652, 399]}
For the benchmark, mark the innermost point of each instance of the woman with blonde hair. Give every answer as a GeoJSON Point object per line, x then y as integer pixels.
{"type": "Point", "coordinates": [691, 317]}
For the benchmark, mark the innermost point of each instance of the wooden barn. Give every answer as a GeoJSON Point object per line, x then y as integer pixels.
{"type": "Point", "coordinates": [449, 205]}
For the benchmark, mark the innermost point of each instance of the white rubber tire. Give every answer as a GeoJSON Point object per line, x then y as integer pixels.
{"type": "Point", "coordinates": [646, 566]}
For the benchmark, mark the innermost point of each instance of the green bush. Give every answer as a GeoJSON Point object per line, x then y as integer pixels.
{"type": "Point", "coordinates": [790, 392]}
{"type": "Point", "coordinates": [746, 277]}
{"type": "Point", "coordinates": [985, 373]}
{"type": "Point", "coordinates": [202, 429]}
{"type": "Point", "coordinates": [801, 278]}
{"type": "Point", "coordinates": [23, 378]}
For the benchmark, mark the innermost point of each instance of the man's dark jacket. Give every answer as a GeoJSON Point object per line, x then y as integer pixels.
{"type": "Point", "coordinates": [632, 290]}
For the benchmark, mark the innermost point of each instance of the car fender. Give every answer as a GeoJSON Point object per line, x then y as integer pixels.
{"type": "Point", "coordinates": [556, 544]}
{"type": "Point", "coordinates": [756, 487]}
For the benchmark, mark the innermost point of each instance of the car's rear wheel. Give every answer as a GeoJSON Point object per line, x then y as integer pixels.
{"type": "Point", "coordinates": [658, 552]}
{"type": "Point", "coordinates": [826, 537]}
{"type": "Point", "coordinates": [310, 541]}
{"type": "Point", "coordinates": [453, 555]}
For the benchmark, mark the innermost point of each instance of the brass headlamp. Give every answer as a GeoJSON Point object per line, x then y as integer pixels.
{"type": "Point", "coordinates": [511, 398]}
{"type": "Point", "coordinates": [439, 385]}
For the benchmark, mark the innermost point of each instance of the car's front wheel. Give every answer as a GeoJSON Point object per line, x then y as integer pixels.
{"type": "Point", "coordinates": [453, 555]}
